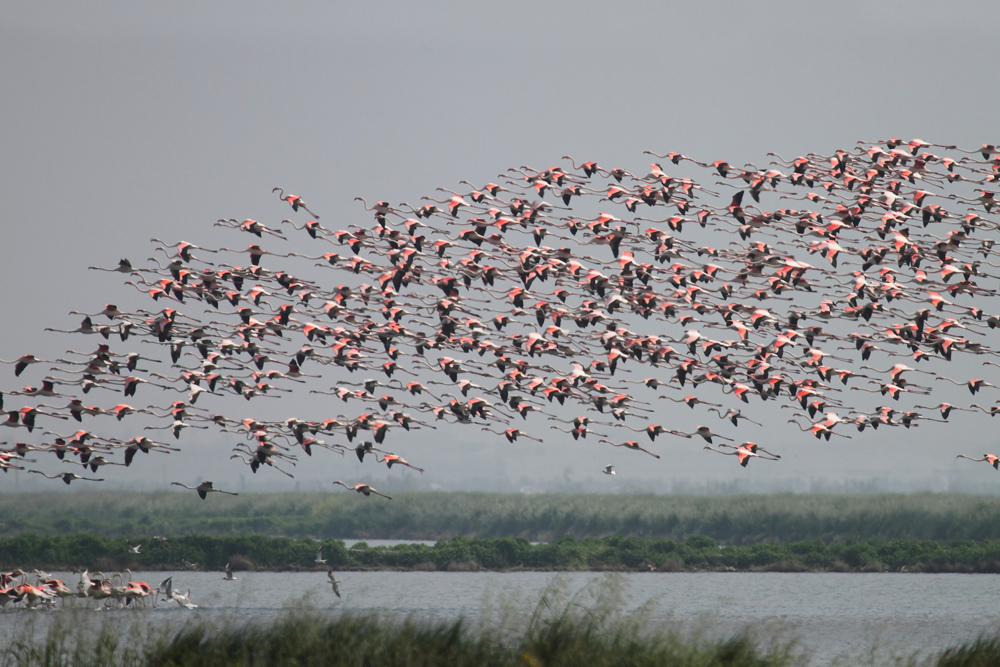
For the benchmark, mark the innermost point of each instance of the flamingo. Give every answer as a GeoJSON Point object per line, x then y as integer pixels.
{"type": "Point", "coordinates": [204, 489]}
{"type": "Point", "coordinates": [652, 431]}
{"type": "Point", "coordinates": [136, 590]}
{"type": "Point", "coordinates": [993, 411]}
{"type": "Point", "coordinates": [745, 451]}
{"type": "Point", "coordinates": [390, 459]}
{"type": "Point", "coordinates": [86, 327]}
{"type": "Point", "coordinates": [295, 201]}
{"type": "Point", "coordinates": [68, 477]}
{"type": "Point", "coordinates": [705, 433]}
{"type": "Point", "coordinates": [819, 429]}
{"type": "Point", "coordinates": [362, 488]}
{"type": "Point", "coordinates": [366, 447]}
{"type": "Point", "coordinates": [630, 444]}
{"type": "Point", "coordinates": [381, 208]}
{"type": "Point", "coordinates": [974, 385]}
{"type": "Point", "coordinates": [992, 459]}
{"type": "Point", "coordinates": [691, 401]}
{"type": "Point", "coordinates": [95, 462]}
{"type": "Point", "coordinates": [944, 408]}
{"type": "Point", "coordinates": [23, 362]}
{"type": "Point", "coordinates": [867, 217]}
{"type": "Point", "coordinates": [734, 415]}
{"type": "Point", "coordinates": [124, 266]}
{"type": "Point", "coordinates": [512, 434]}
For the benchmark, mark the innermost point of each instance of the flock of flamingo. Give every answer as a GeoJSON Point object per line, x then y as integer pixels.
{"type": "Point", "coordinates": [101, 589]}
{"type": "Point", "coordinates": [108, 591]}
{"type": "Point", "coordinates": [569, 301]}
{"type": "Point", "coordinates": [114, 591]}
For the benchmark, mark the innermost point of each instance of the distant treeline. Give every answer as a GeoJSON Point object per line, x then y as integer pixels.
{"type": "Point", "coordinates": [507, 553]}
{"type": "Point", "coordinates": [732, 520]}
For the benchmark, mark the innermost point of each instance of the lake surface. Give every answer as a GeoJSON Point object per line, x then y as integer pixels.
{"type": "Point", "coordinates": [832, 614]}
{"type": "Point", "coordinates": [350, 542]}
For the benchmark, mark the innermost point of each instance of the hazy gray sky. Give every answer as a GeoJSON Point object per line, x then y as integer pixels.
{"type": "Point", "coordinates": [129, 120]}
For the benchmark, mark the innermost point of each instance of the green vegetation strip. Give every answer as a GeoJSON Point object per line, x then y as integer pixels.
{"type": "Point", "coordinates": [742, 519]}
{"type": "Point", "coordinates": [508, 553]}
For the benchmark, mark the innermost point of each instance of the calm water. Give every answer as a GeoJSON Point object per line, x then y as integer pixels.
{"type": "Point", "coordinates": [831, 614]}
{"type": "Point", "coordinates": [350, 542]}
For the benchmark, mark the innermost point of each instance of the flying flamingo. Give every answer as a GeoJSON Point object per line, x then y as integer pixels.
{"type": "Point", "coordinates": [295, 201]}
{"type": "Point", "coordinates": [745, 451]}
{"type": "Point", "coordinates": [993, 411]}
{"type": "Point", "coordinates": [630, 444]}
{"type": "Point", "coordinates": [974, 385]}
{"type": "Point", "coordinates": [652, 431]}
{"type": "Point", "coordinates": [512, 434]}
{"type": "Point", "coordinates": [124, 266]}
{"type": "Point", "coordinates": [944, 408]}
{"type": "Point", "coordinates": [691, 401]}
{"type": "Point", "coordinates": [95, 462]}
{"type": "Point", "coordinates": [733, 415]}
{"type": "Point", "coordinates": [705, 433]}
{"type": "Point", "coordinates": [68, 477]}
{"type": "Point", "coordinates": [992, 459]}
{"type": "Point", "coordinates": [390, 459]}
{"type": "Point", "coordinates": [366, 447]}
{"type": "Point", "coordinates": [204, 489]}
{"type": "Point", "coordinates": [381, 208]}
{"type": "Point", "coordinates": [23, 362]}
{"type": "Point", "coordinates": [362, 488]}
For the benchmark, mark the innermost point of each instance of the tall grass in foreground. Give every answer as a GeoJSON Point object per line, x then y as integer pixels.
{"type": "Point", "coordinates": [983, 652]}
{"type": "Point", "coordinates": [587, 628]}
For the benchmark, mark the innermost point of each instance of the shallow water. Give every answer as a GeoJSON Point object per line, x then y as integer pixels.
{"type": "Point", "coordinates": [832, 614]}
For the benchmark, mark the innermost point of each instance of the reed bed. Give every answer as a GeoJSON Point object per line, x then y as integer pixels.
{"type": "Point", "coordinates": [590, 627]}
{"type": "Point", "coordinates": [732, 520]}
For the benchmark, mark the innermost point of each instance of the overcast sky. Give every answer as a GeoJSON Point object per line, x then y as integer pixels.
{"type": "Point", "coordinates": [130, 120]}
